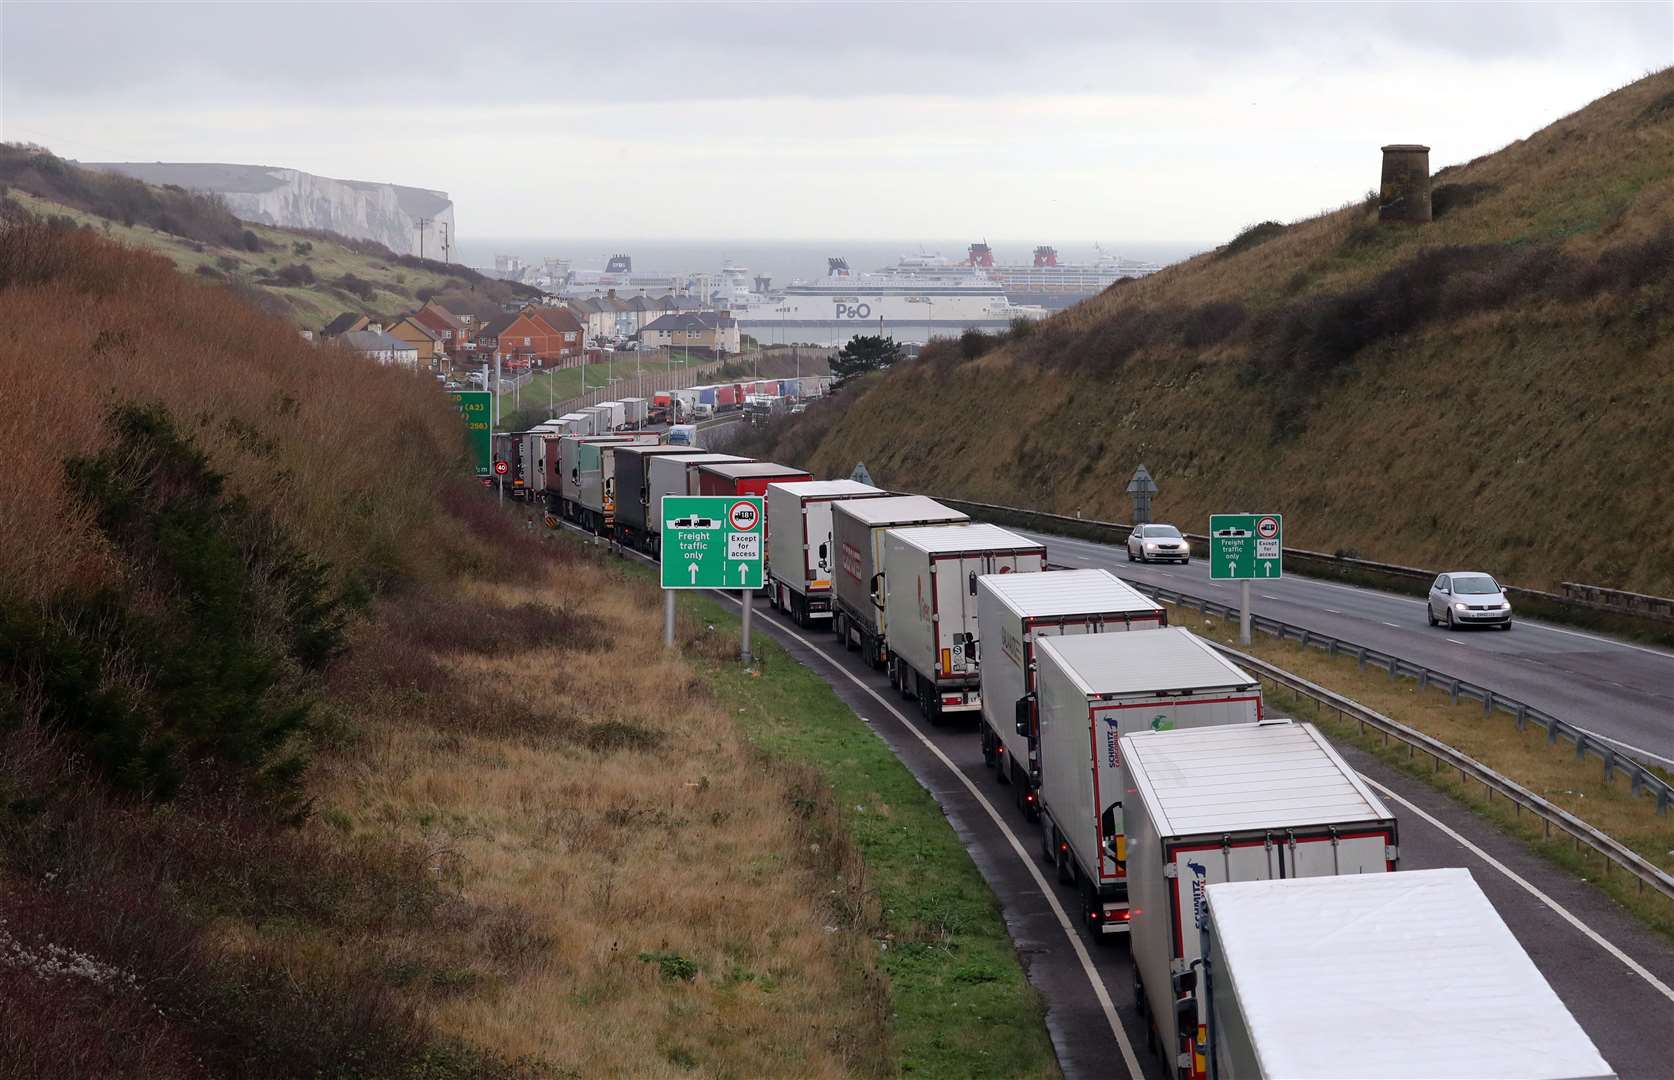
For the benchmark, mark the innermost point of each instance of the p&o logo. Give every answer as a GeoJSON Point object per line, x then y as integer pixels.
{"type": "Point", "coordinates": [853, 311]}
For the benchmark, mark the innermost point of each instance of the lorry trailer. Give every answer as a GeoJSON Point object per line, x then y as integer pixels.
{"type": "Point", "coordinates": [1090, 689]}
{"type": "Point", "coordinates": [801, 558]}
{"type": "Point", "coordinates": [743, 477]}
{"type": "Point", "coordinates": [634, 412]}
{"type": "Point", "coordinates": [1248, 802]}
{"type": "Point", "coordinates": [585, 472]}
{"type": "Point", "coordinates": [930, 605]}
{"type": "Point", "coordinates": [673, 474]}
{"type": "Point", "coordinates": [1013, 612]}
{"type": "Point", "coordinates": [1377, 975]}
{"type": "Point", "coordinates": [857, 598]}
{"type": "Point", "coordinates": [634, 506]}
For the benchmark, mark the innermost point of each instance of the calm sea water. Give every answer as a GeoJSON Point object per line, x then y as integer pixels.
{"type": "Point", "coordinates": [785, 260]}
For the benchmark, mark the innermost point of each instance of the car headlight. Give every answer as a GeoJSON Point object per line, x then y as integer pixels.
{"type": "Point", "coordinates": [1458, 607]}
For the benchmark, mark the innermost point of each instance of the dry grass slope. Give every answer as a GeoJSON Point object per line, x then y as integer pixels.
{"type": "Point", "coordinates": [1477, 390]}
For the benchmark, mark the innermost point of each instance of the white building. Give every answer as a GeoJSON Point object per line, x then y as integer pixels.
{"type": "Point", "coordinates": [374, 344]}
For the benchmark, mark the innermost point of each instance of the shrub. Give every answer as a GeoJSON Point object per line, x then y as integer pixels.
{"type": "Point", "coordinates": [250, 241]}
{"type": "Point", "coordinates": [973, 343]}
{"type": "Point", "coordinates": [296, 274]}
{"type": "Point", "coordinates": [1446, 198]}
{"type": "Point", "coordinates": [1250, 237]}
{"type": "Point", "coordinates": [358, 286]}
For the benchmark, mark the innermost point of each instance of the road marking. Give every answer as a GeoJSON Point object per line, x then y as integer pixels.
{"type": "Point", "coordinates": [1269, 596]}
{"type": "Point", "coordinates": [1455, 641]}
{"type": "Point", "coordinates": [1331, 611]}
{"type": "Point", "coordinates": [1658, 758]}
{"type": "Point", "coordinates": [1029, 861]}
{"type": "Point", "coordinates": [1601, 640]}
{"type": "Point", "coordinates": [1598, 939]}
{"type": "Point", "coordinates": [1396, 625]}
{"type": "Point", "coordinates": [1363, 592]}
{"type": "Point", "coordinates": [1078, 558]}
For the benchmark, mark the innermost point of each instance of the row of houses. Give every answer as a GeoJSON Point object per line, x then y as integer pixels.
{"type": "Point", "coordinates": [555, 334]}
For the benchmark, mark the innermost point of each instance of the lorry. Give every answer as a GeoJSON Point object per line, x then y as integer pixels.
{"type": "Point", "coordinates": [1089, 690]}
{"type": "Point", "coordinates": [683, 435]}
{"type": "Point", "coordinates": [616, 418]}
{"type": "Point", "coordinates": [930, 605]}
{"type": "Point", "coordinates": [665, 408]}
{"type": "Point", "coordinates": [760, 408]}
{"type": "Point", "coordinates": [801, 559]}
{"type": "Point", "coordinates": [509, 447]}
{"type": "Point", "coordinates": [857, 598]}
{"type": "Point", "coordinates": [1014, 611]}
{"type": "Point", "coordinates": [1412, 975]}
{"type": "Point", "coordinates": [635, 411]}
{"type": "Point", "coordinates": [743, 477]}
{"type": "Point", "coordinates": [728, 396]}
{"type": "Point", "coordinates": [1243, 802]}
{"type": "Point", "coordinates": [575, 423]}
{"type": "Point", "coordinates": [674, 474]}
{"type": "Point", "coordinates": [634, 505]}
{"type": "Point", "coordinates": [583, 474]}
{"type": "Point", "coordinates": [704, 407]}
{"type": "Point", "coordinates": [598, 419]}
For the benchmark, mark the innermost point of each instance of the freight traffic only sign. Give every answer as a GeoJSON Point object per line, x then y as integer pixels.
{"type": "Point", "coordinates": [712, 542]}
{"type": "Point", "coordinates": [473, 405]}
{"type": "Point", "coordinates": [1246, 546]}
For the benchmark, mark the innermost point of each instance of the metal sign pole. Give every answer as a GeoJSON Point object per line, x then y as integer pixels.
{"type": "Point", "coordinates": [668, 618]}
{"type": "Point", "coordinates": [744, 650]}
{"type": "Point", "coordinates": [1244, 613]}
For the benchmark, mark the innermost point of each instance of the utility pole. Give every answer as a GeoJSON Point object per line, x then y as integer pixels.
{"type": "Point", "coordinates": [423, 223]}
{"type": "Point", "coordinates": [446, 246]}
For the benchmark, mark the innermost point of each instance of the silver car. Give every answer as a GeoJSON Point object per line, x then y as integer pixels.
{"type": "Point", "coordinates": [1468, 599]}
{"type": "Point", "coordinates": [1162, 543]}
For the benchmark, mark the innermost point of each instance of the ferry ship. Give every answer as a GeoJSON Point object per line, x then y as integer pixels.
{"type": "Point", "coordinates": [926, 298]}
{"type": "Point", "coordinates": [1048, 282]}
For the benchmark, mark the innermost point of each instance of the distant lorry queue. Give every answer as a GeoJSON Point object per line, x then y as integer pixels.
{"type": "Point", "coordinates": [1182, 816]}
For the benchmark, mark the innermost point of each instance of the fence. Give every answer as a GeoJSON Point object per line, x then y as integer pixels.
{"type": "Point", "coordinates": [643, 386]}
{"type": "Point", "coordinates": [1552, 817]}
{"type": "Point", "coordinates": [1583, 605]}
{"type": "Point", "coordinates": [1642, 780]}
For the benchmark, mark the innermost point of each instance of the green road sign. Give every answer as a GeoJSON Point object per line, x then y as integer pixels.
{"type": "Point", "coordinates": [712, 542]}
{"type": "Point", "coordinates": [474, 406]}
{"type": "Point", "coordinates": [1243, 546]}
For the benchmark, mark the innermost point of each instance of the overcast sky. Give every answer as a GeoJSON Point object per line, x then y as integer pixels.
{"type": "Point", "coordinates": [1018, 121]}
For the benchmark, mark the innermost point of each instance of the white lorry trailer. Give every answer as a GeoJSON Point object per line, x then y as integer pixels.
{"type": "Point", "coordinates": [857, 528]}
{"type": "Point", "coordinates": [618, 414]}
{"type": "Point", "coordinates": [1013, 612]}
{"type": "Point", "coordinates": [634, 412]}
{"type": "Point", "coordinates": [671, 475]}
{"type": "Point", "coordinates": [801, 558]}
{"type": "Point", "coordinates": [1090, 689]}
{"type": "Point", "coordinates": [930, 607]}
{"type": "Point", "coordinates": [1411, 975]}
{"type": "Point", "coordinates": [1249, 802]}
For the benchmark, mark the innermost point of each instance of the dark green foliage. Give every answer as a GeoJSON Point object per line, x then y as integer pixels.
{"type": "Point", "coordinates": [219, 609]}
{"type": "Point", "coordinates": [1446, 198]}
{"type": "Point", "coordinates": [358, 286]}
{"type": "Point", "coordinates": [250, 241]}
{"type": "Point", "coordinates": [1250, 237]}
{"type": "Point", "coordinates": [973, 343]}
{"type": "Point", "coordinates": [864, 353]}
{"type": "Point", "coordinates": [169, 208]}
{"type": "Point", "coordinates": [297, 274]}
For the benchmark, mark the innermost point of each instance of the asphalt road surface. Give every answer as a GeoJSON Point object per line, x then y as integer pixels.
{"type": "Point", "coordinates": [1615, 689]}
{"type": "Point", "coordinates": [1612, 973]}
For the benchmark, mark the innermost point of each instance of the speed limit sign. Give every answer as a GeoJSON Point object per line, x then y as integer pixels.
{"type": "Point", "coordinates": [501, 468]}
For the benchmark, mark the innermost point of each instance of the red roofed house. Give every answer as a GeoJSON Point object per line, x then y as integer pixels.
{"type": "Point", "coordinates": [538, 337]}
{"type": "Point", "coordinates": [445, 324]}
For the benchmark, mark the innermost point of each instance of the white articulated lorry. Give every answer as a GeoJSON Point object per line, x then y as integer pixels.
{"type": "Point", "coordinates": [857, 528]}
{"type": "Point", "coordinates": [801, 558]}
{"type": "Point", "coordinates": [1013, 612]}
{"type": "Point", "coordinates": [1250, 802]}
{"type": "Point", "coordinates": [930, 605]}
{"type": "Point", "coordinates": [671, 474]}
{"type": "Point", "coordinates": [1410, 975]}
{"type": "Point", "coordinates": [1090, 689]}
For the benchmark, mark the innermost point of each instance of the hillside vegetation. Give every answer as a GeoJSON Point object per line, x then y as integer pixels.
{"type": "Point", "coordinates": [314, 765]}
{"type": "Point", "coordinates": [306, 276]}
{"type": "Point", "coordinates": [1493, 389]}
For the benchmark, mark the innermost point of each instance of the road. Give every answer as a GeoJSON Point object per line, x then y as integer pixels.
{"type": "Point", "coordinates": [1615, 689]}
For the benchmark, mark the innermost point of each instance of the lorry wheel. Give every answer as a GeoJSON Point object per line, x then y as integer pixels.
{"type": "Point", "coordinates": [987, 748]}
{"type": "Point", "coordinates": [1066, 870]}
{"type": "Point", "coordinates": [1048, 845]}
{"type": "Point", "coordinates": [1140, 1005]}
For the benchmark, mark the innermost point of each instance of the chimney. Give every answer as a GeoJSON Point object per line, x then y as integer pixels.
{"type": "Point", "coordinates": [1405, 192]}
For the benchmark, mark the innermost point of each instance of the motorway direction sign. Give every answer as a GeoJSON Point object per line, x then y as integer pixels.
{"type": "Point", "coordinates": [474, 406]}
{"type": "Point", "coordinates": [1246, 546]}
{"type": "Point", "coordinates": [712, 542]}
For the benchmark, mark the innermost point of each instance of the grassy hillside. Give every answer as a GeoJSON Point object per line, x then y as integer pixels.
{"type": "Point", "coordinates": [306, 276]}
{"type": "Point", "coordinates": [316, 766]}
{"type": "Point", "coordinates": [1493, 389]}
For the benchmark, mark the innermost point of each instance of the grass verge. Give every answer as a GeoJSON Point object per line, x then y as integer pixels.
{"type": "Point", "coordinates": [960, 1003]}
{"type": "Point", "coordinates": [1550, 771]}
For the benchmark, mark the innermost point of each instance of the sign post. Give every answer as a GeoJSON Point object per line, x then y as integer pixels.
{"type": "Point", "coordinates": [501, 468]}
{"type": "Point", "coordinates": [476, 407]}
{"type": "Point", "coordinates": [1242, 548]}
{"type": "Point", "coordinates": [712, 542]}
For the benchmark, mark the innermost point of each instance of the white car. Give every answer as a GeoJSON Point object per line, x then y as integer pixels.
{"type": "Point", "coordinates": [1464, 598]}
{"type": "Point", "coordinates": [1158, 543]}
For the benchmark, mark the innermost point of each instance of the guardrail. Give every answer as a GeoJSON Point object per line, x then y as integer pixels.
{"type": "Point", "coordinates": [1636, 866]}
{"type": "Point", "coordinates": [1650, 607]}
{"type": "Point", "coordinates": [1581, 609]}
{"type": "Point", "coordinates": [1641, 780]}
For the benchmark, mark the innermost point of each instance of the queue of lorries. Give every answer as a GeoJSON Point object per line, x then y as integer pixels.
{"type": "Point", "coordinates": [1252, 871]}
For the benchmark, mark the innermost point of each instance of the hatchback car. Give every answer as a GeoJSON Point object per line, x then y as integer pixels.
{"type": "Point", "coordinates": [1468, 599]}
{"type": "Point", "coordinates": [1148, 543]}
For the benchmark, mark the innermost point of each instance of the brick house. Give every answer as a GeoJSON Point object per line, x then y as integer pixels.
{"type": "Point", "coordinates": [447, 326]}
{"type": "Point", "coordinates": [427, 342]}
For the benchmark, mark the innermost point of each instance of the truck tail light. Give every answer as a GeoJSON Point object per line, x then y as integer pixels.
{"type": "Point", "coordinates": [951, 699]}
{"type": "Point", "coordinates": [1029, 798]}
{"type": "Point", "coordinates": [1122, 916]}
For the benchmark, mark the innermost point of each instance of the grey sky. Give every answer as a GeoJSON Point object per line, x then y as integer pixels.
{"type": "Point", "coordinates": [1018, 121]}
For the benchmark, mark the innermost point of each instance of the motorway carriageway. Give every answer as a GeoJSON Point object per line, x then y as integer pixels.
{"type": "Point", "coordinates": [1616, 689]}
{"type": "Point", "coordinates": [1615, 975]}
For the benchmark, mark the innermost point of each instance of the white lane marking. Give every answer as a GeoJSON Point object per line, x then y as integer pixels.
{"type": "Point", "coordinates": [1109, 1007]}
{"type": "Point", "coordinates": [1658, 758]}
{"type": "Point", "coordinates": [1658, 653]}
{"type": "Point", "coordinates": [1077, 558]}
{"type": "Point", "coordinates": [1598, 939]}
{"type": "Point", "coordinates": [1331, 611]}
{"type": "Point", "coordinates": [1455, 641]}
{"type": "Point", "coordinates": [1269, 596]}
{"type": "Point", "coordinates": [1396, 625]}
{"type": "Point", "coordinates": [1363, 592]}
